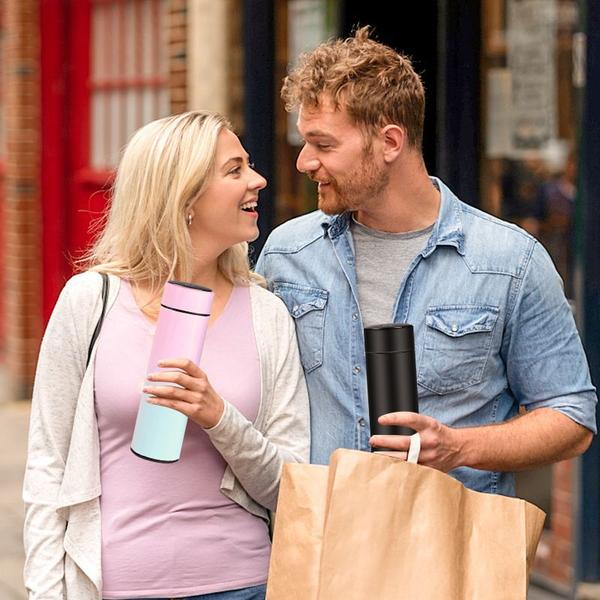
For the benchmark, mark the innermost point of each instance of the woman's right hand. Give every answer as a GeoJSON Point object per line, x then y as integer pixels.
{"type": "Point", "coordinates": [192, 394]}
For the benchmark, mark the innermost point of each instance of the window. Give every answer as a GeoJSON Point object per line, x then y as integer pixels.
{"type": "Point", "coordinates": [532, 63]}
{"type": "Point", "coordinates": [301, 25]}
{"type": "Point", "coordinates": [531, 80]}
{"type": "Point", "coordinates": [129, 73]}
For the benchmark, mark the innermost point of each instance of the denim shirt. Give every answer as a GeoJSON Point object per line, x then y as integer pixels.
{"type": "Point", "coordinates": [493, 329]}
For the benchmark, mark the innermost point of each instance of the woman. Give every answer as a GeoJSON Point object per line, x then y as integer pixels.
{"type": "Point", "coordinates": [102, 522]}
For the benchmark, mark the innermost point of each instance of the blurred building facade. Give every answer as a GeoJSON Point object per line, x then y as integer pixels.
{"type": "Point", "coordinates": [512, 119]}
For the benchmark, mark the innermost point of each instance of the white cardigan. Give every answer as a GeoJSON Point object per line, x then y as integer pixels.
{"type": "Point", "coordinates": [62, 478]}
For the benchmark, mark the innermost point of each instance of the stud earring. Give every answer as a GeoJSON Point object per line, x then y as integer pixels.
{"type": "Point", "coordinates": [190, 218]}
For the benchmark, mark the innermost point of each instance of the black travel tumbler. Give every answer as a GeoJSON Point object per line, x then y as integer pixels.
{"type": "Point", "coordinates": [391, 374]}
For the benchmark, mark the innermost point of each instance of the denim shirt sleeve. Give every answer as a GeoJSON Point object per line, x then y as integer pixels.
{"type": "Point", "coordinates": [259, 267]}
{"type": "Point", "coordinates": [545, 362]}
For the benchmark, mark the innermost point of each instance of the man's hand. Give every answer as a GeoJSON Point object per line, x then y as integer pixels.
{"type": "Point", "coordinates": [440, 446]}
{"type": "Point", "coordinates": [539, 437]}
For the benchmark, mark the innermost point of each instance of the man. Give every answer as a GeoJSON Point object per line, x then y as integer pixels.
{"type": "Point", "coordinates": [493, 330]}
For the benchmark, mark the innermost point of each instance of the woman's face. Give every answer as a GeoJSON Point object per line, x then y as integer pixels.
{"type": "Point", "coordinates": [226, 213]}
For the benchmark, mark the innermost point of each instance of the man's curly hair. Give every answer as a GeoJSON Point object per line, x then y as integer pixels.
{"type": "Point", "coordinates": [375, 84]}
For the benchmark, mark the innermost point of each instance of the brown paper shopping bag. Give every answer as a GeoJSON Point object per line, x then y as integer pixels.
{"type": "Point", "coordinates": [382, 528]}
{"type": "Point", "coordinates": [299, 520]}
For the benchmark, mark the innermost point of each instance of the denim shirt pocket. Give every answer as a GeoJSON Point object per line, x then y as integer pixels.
{"type": "Point", "coordinates": [456, 346]}
{"type": "Point", "coordinates": [307, 306]}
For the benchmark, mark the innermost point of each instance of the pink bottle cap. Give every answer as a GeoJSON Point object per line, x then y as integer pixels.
{"type": "Point", "coordinates": [187, 297]}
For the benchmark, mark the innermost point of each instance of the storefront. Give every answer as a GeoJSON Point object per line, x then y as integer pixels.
{"type": "Point", "coordinates": [511, 126]}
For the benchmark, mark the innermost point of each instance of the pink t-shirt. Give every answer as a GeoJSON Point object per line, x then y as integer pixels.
{"type": "Point", "coordinates": [167, 530]}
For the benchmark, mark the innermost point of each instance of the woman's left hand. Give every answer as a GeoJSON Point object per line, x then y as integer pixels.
{"type": "Point", "coordinates": [196, 398]}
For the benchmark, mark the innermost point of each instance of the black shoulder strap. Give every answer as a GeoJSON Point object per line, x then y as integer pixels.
{"type": "Point", "coordinates": [99, 323]}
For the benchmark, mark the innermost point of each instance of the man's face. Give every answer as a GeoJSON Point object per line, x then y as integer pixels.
{"type": "Point", "coordinates": [337, 157]}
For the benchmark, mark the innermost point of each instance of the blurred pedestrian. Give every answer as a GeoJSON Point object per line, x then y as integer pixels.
{"type": "Point", "coordinates": [558, 233]}
{"type": "Point", "coordinates": [522, 203]}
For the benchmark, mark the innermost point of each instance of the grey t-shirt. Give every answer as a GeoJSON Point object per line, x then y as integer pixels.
{"type": "Point", "coordinates": [381, 262]}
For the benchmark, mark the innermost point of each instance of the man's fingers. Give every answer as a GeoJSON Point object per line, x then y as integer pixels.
{"type": "Point", "coordinates": [392, 442]}
{"type": "Point", "coordinates": [406, 419]}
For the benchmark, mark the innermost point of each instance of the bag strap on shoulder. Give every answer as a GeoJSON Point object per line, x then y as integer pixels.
{"type": "Point", "coordinates": [105, 286]}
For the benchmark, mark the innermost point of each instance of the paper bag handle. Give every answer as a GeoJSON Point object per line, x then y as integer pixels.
{"type": "Point", "coordinates": [414, 449]}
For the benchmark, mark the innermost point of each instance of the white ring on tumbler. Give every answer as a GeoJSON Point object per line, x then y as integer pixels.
{"type": "Point", "coordinates": [414, 449]}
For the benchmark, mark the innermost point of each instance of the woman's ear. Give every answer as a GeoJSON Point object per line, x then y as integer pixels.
{"type": "Point", "coordinates": [190, 216]}
{"type": "Point", "coordinates": [393, 138]}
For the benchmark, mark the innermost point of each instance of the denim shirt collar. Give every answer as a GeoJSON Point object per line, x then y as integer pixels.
{"type": "Point", "coordinates": [448, 229]}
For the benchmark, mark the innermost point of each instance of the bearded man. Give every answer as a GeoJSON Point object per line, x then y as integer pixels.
{"type": "Point", "coordinates": [503, 381]}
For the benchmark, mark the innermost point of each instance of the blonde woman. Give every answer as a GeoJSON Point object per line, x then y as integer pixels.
{"type": "Point", "coordinates": [101, 522]}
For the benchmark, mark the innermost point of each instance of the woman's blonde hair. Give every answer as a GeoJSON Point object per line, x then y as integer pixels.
{"type": "Point", "coordinates": [144, 233]}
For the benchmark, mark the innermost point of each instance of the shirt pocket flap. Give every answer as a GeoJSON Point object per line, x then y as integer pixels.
{"type": "Point", "coordinates": [299, 310]}
{"type": "Point", "coordinates": [456, 321]}
{"type": "Point", "coordinates": [307, 306]}
{"type": "Point", "coordinates": [300, 300]}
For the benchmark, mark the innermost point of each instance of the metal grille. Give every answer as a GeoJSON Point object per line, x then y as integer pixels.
{"type": "Point", "coordinates": [129, 73]}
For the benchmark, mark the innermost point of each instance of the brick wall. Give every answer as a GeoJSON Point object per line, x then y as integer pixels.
{"type": "Point", "coordinates": [177, 39]}
{"type": "Point", "coordinates": [555, 557]}
{"type": "Point", "coordinates": [20, 250]}
{"type": "Point", "coordinates": [22, 226]}
{"type": "Point", "coordinates": [2, 169]}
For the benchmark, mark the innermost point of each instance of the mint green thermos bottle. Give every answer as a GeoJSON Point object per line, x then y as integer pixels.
{"type": "Point", "coordinates": [180, 332]}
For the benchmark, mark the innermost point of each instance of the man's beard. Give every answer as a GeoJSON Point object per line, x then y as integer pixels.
{"type": "Point", "coordinates": [351, 193]}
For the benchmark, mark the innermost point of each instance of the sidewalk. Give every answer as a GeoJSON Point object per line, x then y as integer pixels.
{"type": "Point", "coordinates": [14, 417]}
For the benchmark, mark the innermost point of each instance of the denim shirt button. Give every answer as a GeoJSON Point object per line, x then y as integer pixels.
{"type": "Point", "coordinates": [354, 316]}
{"type": "Point", "coordinates": [362, 422]}
{"type": "Point", "coordinates": [454, 327]}
{"type": "Point", "coordinates": [356, 370]}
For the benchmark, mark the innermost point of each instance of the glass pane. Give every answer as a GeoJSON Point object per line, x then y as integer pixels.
{"type": "Point", "coordinates": [129, 55]}
{"type": "Point", "coordinates": [530, 114]}
{"type": "Point", "coordinates": [98, 151]}
{"type": "Point", "coordinates": [148, 109]}
{"type": "Point", "coordinates": [130, 39]}
{"type": "Point", "coordinates": [113, 127]}
{"type": "Point", "coordinates": [531, 46]}
{"type": "Point", "coordinates": [148, 39]}
{"type": "Point", "coordinates": [163, 102]}
{"type": "Point", "coordinates": [112, 42]}
{"type": "Point", "coordinates": [163, 56]}
{"type": "Point", "coordinates": [529, 92]}
{"type": "Point", "coordinates": [98, 48]}
{"type": "Point", "coordinates": [132, 121]}
{"type": "Point", "coordinates": [307, 28]}
{"type": "Point", "coordinates": [299, 25]}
